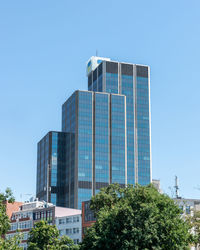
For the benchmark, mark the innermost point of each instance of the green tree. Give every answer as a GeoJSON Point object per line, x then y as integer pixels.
{"type": "Point", "coordinates": [44, 236]}
{"type": "Point", "coordinates": [12, 244]}
{"type": "Point", "coordinates": [4, 220]}
{"type": "Point", "coordinates": [66, 243]}
{"type": "Point", "coordinates": [136, 218]}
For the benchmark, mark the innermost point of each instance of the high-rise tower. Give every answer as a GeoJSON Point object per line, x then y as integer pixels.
{"type": "Point", "coordinates": [133, 81]}
{"type": "Point", "coordinates": [106, 133]}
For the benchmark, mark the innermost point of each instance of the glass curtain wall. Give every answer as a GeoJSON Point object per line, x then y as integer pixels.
{"type": "Point", "coordinates": [127, 86]}
{"type": "Point", "coordinates": [69, 125]}
{"type": "Point", "coordinates": [42, 163]}
{"type": "Point", "coordinates": [85, 148]}
{"type": "Point", "coordinates": [143, 130]}
{"type": "Point", "coordinates": [101, 141]}
{"type": "Point", "coordinates": [118, 138]}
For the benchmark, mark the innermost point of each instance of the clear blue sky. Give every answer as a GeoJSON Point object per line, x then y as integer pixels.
{"type": "Point", "coordinates": [43, 49]}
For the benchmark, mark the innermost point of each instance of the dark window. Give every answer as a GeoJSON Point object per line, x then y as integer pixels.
{"type": "Point", "coordinates": [112, 67]}
{"type": "Point", "coordinates": [89, 80]}
{"type": "Point", "coordinates": [100, 69]}
{"type": "Point", "coordinates": [85, 184]}
{"type": "Point", "coordinates": [142, 71]}
{"type": "Point", "coordinates": [101, 185]}
{"type": "Point", "coordinates": [95, 75]}
{"type": "Point", "coordinates": [127, 69]}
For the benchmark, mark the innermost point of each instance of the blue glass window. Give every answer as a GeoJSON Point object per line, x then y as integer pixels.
{"type": "Point", "coordinates": [85, 136]}
{"type": "Point", "coordinates": [143, 131]}
{"type": "Point", "coordinates": [102, 138]}
{"type": "Point", "coordinates": [127, 89]}
{"type": "Point", "coordinates": [112, 83]}
{"type": "Point", "coordinates": [118, 138]}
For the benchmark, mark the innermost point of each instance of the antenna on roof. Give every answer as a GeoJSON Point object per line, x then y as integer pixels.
{"type": "Point", "coordinates": [96, 52]}
{"type": "Point", "coordinates": [176, 187]}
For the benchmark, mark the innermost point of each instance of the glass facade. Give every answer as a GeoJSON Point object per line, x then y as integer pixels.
{"type": "Point", "coordinates": [143, 131]}
{"type": "Point", "coordinates": [132, 81]}
{"type": "Point", "coordinates": [105, 137]}
{"type": "Point", "coordinates": [101, 141]}
{"type": "Point", "coordinates": [84, 194]}
{"type": "Point", "coordinates": [54, 160]}
{"type": "Point", "coordinates": [100, 83]}
{"type": "Point", "coordinates": [51, 168]}
{"type": "Point", "coordinates": [118, 149]}
{"type": "Point", "coordinates": [99, 129]}
{"type": "Point", "coordinates": [85, 149]}
{"type": "Point", "coordinates": [43, 152]}
{"type": "Point", "coordinates": [112, 83]}
{"type": "Point", "coordinates": [69, 125]}
{"type": "Point", "coordinates": [68, 115]}
{"type": "Point", "coordinates": [85, 137]}
{"type": "Point", "coordinates": [127, 90]}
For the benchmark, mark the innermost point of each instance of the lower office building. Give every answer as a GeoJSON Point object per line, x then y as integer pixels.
{"type": "Point", "coordinates": [70, 224]}
{"type": "Point", "coordinates": [26, 216]}
{"type": "Point", "coordinates": [98, 124]}
{"type": "Point", "coordinates": [30, 213]}
{"type": "Point", "coordinates": [51, 165]}
{"type": "Point", "coordinates": [73, 165]}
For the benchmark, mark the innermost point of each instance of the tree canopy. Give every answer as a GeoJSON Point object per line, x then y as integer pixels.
{"type": "Point", "coordinates": [12, 244]}
{"type": "Point", "coordinates": [136, 218]}
{"type": "Point", "coordinates": [4, 220]}
{"type": "Point", "coordinates": [44, 236]}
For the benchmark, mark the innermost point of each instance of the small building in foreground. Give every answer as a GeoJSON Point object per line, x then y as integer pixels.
{"type": "Point", "coordinates": [30, 213]}
{"type": "Point", "coordinates": [68, 222]}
